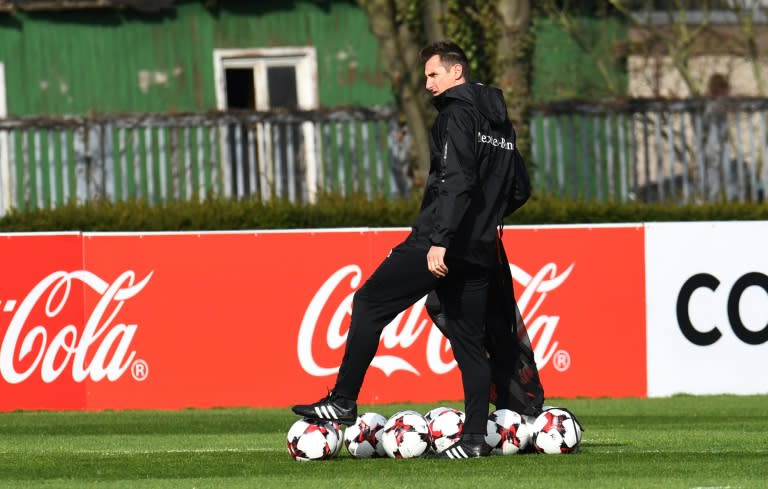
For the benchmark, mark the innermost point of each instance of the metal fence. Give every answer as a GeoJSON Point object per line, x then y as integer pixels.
{"type": "Point", "coordinates": [46, 162]}
{"type": "Point", "coordinates": [692, 150]}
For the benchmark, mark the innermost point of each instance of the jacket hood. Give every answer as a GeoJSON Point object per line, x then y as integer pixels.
{"type": "Point", "coordinates": [489, 101]}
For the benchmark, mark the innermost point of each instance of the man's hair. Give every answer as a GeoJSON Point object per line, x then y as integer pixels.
{"type": "Point", "coordinates": [450, 54]}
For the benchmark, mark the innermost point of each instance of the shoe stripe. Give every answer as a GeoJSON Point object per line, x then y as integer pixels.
{"type": "Point", "coordinates": [457, 453]}
{"type": "Point", "coordinates": [326, 412]}
{"type": "Point", "coordinates": [331, 412]}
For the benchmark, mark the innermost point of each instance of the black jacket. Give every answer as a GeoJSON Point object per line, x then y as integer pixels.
{"type": "Point", "coordinates": [476, 175]}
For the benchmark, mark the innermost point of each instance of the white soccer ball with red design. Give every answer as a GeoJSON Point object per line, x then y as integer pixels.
{"type": "Point", "coordinates": [363, 439]}
{"type": "Point", "coordinates": [556, 431]}
{"type": "Point", "coordinates": [432, 413]}
{"type": "Point", "coordinates": [313, 440]}
{"type": "Point", "coordinates": [445, 427]}
{"type": "Point", "coordinates": [340, 434]}
{"type": "Point", "coordinates": [405, 435]}
{"type": "Point", "coordinates": [507, 432]}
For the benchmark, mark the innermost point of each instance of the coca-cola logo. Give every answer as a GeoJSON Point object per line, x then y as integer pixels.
{"type": "Point", "coordinates": [99, 349]}
{"type": "Point", "coordinates": [708, 333]}
{"type": "Point", "coordinates": [413, 323]}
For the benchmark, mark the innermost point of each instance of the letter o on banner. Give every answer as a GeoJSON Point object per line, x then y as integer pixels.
{"type": "Point", "coordinates": [746, 335]}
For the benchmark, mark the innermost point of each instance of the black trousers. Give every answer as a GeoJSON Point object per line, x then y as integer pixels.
{"type": "Point", "coordinates": [401, 280]}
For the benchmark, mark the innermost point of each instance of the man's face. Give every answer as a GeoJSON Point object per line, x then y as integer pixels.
{"type": "Point", "coordinates": [440, 79]}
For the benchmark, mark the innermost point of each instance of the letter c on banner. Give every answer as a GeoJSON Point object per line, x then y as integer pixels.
{"type": "Point", "coordinates": [683, 318]}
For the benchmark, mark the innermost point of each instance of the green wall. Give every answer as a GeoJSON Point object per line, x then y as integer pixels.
{"type": "Point", "coordinates": [107, 61]}
{"type": "Point", "coordinates": [584, 68]}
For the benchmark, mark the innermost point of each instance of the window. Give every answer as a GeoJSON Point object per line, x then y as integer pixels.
{"type": "Point", "coordinates": [283, 155]}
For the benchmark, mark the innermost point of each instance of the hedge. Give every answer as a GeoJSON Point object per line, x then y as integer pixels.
{"type": "Point", "coordinates": [336, 211]}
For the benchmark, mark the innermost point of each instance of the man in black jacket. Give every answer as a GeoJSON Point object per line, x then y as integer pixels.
{"type": "Point", "coordinates": [476, 177]}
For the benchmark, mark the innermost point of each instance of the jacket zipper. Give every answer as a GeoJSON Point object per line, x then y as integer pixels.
{"type": "Point", "coordinates": [443, 163]}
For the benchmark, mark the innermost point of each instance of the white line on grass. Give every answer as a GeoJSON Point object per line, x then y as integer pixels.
{"type": "Point", "coordinates": [715, 487]}
{"type": "Point", "coordinates": [148, 452]}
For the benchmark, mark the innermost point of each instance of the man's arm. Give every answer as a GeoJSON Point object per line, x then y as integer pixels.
{"type": "Point", "coordinates": [456, 178]}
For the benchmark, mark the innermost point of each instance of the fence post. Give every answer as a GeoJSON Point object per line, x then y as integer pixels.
{"type": "Point", "coordinates": [5, 174]}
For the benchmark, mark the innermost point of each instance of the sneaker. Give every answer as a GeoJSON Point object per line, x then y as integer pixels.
{"type": "Point", "coordinates": [330, 408]}
{"type": "Point", "coordinates": [472, 446]}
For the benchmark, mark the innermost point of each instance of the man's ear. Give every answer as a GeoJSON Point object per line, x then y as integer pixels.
{"type": "Point", "coordinates": [458, 71]}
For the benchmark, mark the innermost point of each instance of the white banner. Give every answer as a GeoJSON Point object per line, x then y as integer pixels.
{"type": "Point", "coordinates": [707, 307]}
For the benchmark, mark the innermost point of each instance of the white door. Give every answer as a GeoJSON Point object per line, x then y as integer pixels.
{"type": "Point", "coordinates": [265, 79]}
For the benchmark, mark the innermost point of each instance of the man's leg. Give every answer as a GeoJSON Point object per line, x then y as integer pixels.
{"type": "Point", "coordinates": [400, 280]}
{"type": "Point", "coordinates": [464, 304]}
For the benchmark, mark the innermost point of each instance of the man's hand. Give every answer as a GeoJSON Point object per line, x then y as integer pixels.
{"type": "Point", "coordinates": [435, 263]}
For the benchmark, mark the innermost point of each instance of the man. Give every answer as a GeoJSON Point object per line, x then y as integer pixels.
{"type": "Point", "coordinates": [475, 179]}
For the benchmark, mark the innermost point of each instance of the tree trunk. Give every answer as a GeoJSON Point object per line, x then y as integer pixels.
{"type": "Point", "coordinates": [433, 20]}
{"type": "Point", "coordinates": [399, 51]}
{"type": "Point", "coordinates": [514, 54]}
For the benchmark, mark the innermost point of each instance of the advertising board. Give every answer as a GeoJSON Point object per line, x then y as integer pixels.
{"type": "Point", "coordinates": [176, 320]}
{"type": "Point", "coordinates": [707, 303]}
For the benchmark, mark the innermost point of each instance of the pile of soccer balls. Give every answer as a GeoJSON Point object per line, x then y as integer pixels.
{"type": "Point", "coordinates": [409, 434]}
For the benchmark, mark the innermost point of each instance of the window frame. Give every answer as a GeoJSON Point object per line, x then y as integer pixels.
{"type": "Point", "coordinates": [304, 59]}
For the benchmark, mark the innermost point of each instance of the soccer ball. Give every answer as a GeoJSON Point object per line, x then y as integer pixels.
{"type": "Point", "coordinates": [313, 440]}
{"type": "Point", "coordinates": [556, 430]}
{"type": "Point", "coordinates": [405, 435]}
{"type": "Point", "coordinates": [432, 413]}
{"type": "Point", "coordinates": [445, 426]}
{"type": "Point", "coordinates": [507, 432]}
{"type": "Point", "coordinates": [340, 437]}
{"type": "Point", "coordinates": [363, 439]}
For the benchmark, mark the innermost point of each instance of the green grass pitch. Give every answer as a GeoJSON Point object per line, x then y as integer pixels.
{"type": "Point", "coordinates": [690, 442]}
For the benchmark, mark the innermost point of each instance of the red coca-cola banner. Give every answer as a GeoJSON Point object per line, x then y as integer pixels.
{"type": "Point", "coordinates": [174, 320]}
{"type": "Point", "coordinates": [581, 293]}
{"type": "Point", "coordinates": [41, 323]}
